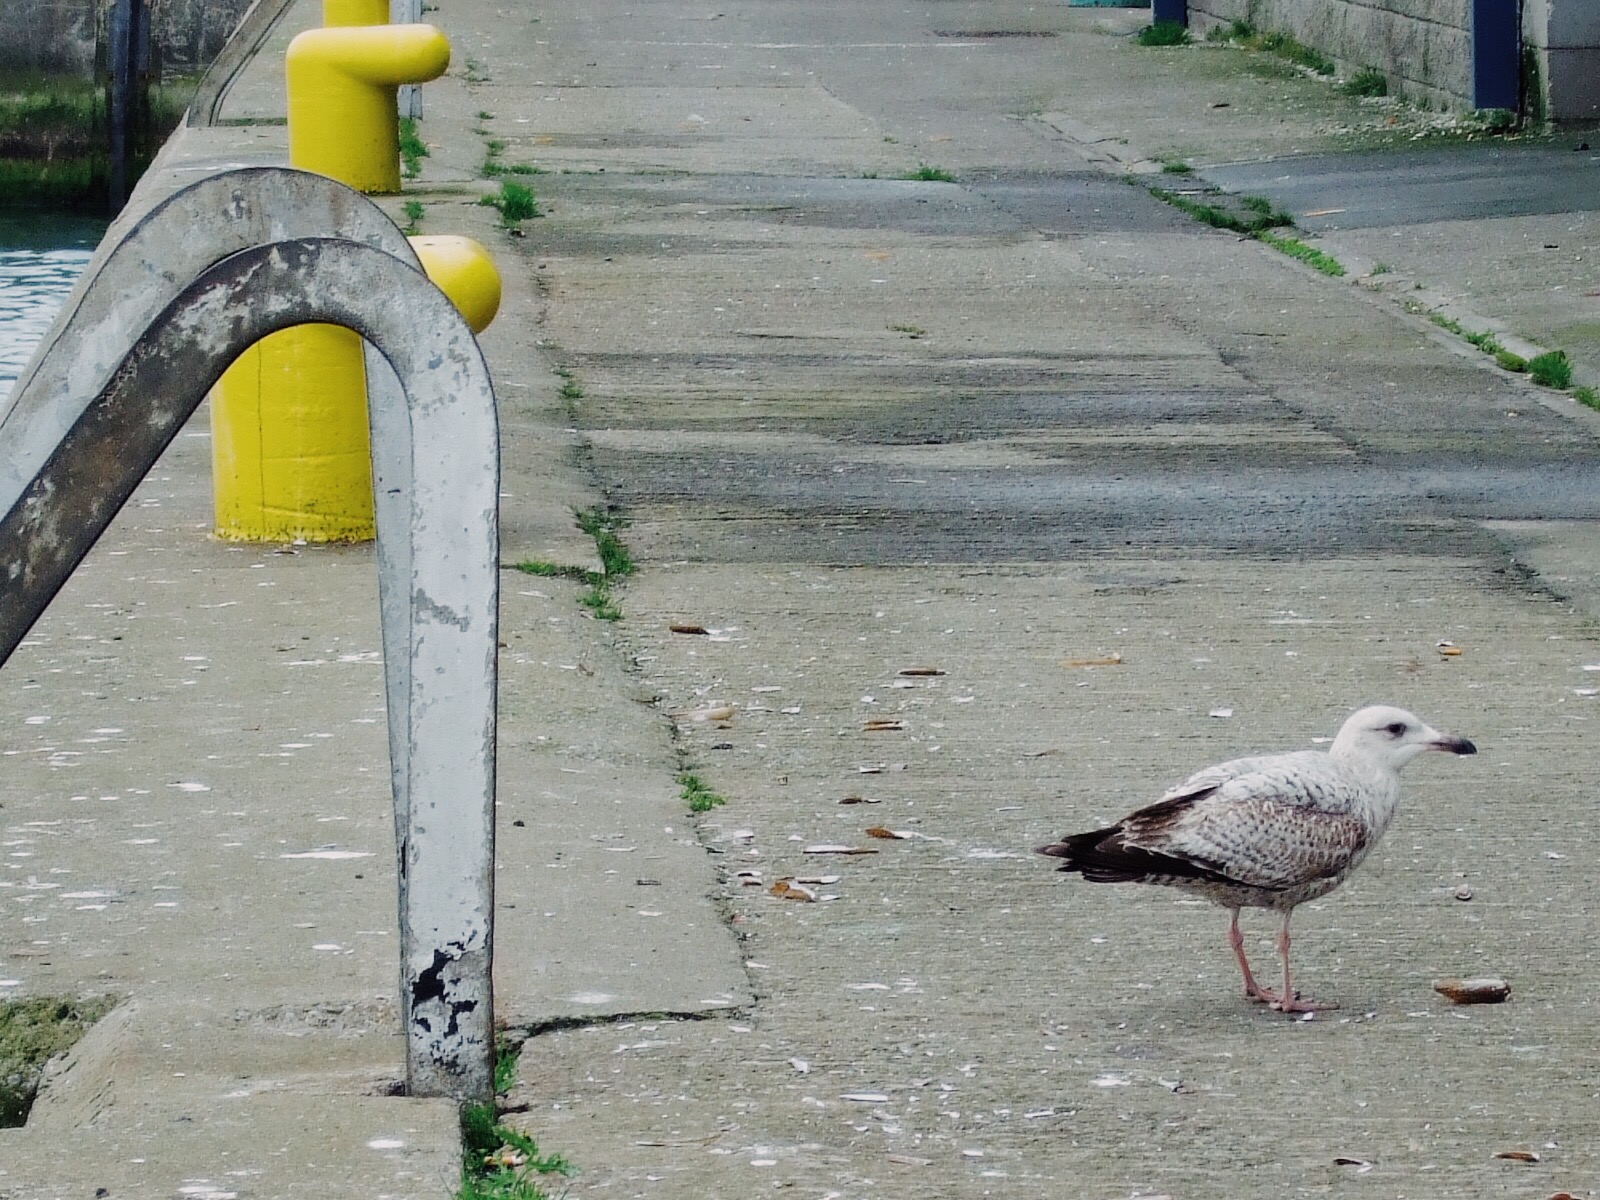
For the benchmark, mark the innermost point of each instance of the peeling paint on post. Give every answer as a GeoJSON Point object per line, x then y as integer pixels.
{"type": "Point", "coordinates": [71, 455]}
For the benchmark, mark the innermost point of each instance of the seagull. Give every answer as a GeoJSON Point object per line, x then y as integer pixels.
{"type": "Point", "coordinates": [1271, 831]}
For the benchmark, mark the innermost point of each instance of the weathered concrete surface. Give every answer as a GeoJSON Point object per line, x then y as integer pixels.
{"type": "Point", "coordinates": [1006, 429]}
{"type": "Point", "coordinates": [1001, 428]}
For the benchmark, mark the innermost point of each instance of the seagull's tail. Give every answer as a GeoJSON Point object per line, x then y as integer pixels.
{"type": "Point", "coordinates": [1099, 856]}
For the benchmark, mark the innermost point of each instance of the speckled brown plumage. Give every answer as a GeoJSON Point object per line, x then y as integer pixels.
{"type": "Point", "coordinates": [1266, 832]}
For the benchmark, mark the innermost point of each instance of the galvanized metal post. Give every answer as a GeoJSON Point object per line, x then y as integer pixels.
{"type": "Point", "coordinates": [80, 434]}
{"type": "Point", "coordinates": [409, 99]}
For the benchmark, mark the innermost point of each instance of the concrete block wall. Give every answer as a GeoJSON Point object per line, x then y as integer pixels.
{"type": "Point", "coordinates": [1564, 36]}
{"type": "Point", "coordinates": [47, 35]}
{"type": "Point", "coordinates": [1424, 47]}
{"type": "Point", "coordinates": [1421, 46]}
{"type": "Point", "coordinates": [60, 35]}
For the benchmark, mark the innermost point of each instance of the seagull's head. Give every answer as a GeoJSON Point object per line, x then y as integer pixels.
{"type": "Point", "coordinates": [1391, 737]}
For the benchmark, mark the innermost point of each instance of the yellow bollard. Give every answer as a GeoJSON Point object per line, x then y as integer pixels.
{"type": "Point", "coordinates": [462, 270]}
{"type": "Point", "coordinates": [289, 419]}
{"type": "Point", "coordinates": [355, 12]}
{"type": "Point", "coordinates": [343, 122]}
{"type": "Point", "coordinates": [289, 444]}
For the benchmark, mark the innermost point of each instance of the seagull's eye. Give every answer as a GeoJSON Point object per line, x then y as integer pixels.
{"type": "Point", "coordinates": [1396, 730]}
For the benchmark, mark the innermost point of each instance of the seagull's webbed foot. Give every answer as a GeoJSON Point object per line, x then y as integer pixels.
{"type": "Point", "coordinates": [1257, 994]}
{"type": "Point", "coordinates": [1299, 1004]}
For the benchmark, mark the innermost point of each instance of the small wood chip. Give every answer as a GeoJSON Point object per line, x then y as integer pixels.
{"type": "Point", "coordinates": [883, 725]}
{"type": "Point", "coordinates": [717, 712]}
{"type": "Point", "coordinates": [1110, 660]}
{"type": "Point", "coordinates": [830, 848]}
{"type": "Point", "coordinates": [919, 671]}
{"type": "Point", "coordinates": [701, 630]}
{"type": "Point", "coordinates": [1523, 1156]}
{"type": "Point", "coordinates": [888, 835]}
{"type": "Point", "coordinates": [1486, 990]}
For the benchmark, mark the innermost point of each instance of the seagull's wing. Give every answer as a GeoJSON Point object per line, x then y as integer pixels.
{"type": "Point", "coordinates": [1274, 823]}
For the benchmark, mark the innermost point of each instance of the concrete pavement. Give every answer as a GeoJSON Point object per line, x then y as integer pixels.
{"type": "Point", "coordinates": [1123, 494]}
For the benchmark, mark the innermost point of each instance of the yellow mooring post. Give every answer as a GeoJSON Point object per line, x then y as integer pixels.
{"type": "Point", "coordinates": [289, 419]}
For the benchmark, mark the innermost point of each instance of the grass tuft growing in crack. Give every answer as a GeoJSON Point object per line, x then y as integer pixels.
{"type": "Point", "coordinates": [697, 795]}
{"type": "Point", "coordinates": [1552, 369]}
{"type": "Point", "coordinates": [1258, 213]}
{"type": "Point", "coordinates": [1163, 33]}
{"type": "Point", "coordinates": [412, 148]}
{"type": "Point", "coordinates": [515, 201]}
{"type": "Point", "coordinates": [615, 563]}
{"type": "Point", "coordinates": [602, 526]}
{"type": "Point", "coordinates": [1310, 255]}
{"type": "Point", "coordinates": [498, 1162]}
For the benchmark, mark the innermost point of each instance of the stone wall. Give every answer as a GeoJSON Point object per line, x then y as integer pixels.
{"type": "Point", "coordinates": [1423, 47]}
{"type": "Point", "coordinates": [61, 35]}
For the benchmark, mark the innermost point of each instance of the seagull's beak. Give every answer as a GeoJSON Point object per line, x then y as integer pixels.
{"type": "Point", "coordinates": [1452, 745]}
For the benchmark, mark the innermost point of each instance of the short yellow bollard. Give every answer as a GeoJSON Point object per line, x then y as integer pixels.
{"type": "Point", "coordinates": [289, 445]}
{"type": "Point", "coordinates": [289, 419]}
{"type": "Point", "coordinates": [289, 449]}
{"type": "Point", "coordinates": [342, 117]}
{"type": "Point", "coordinates": [355, 12]}
{"type": "Point", "coordinates": [462, 270]}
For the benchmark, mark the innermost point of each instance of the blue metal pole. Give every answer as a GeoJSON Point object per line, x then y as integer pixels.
{"type": "Point", "coordinates": [1496, 55]}
{"type": "Point", "coordinates": [1176, 11]}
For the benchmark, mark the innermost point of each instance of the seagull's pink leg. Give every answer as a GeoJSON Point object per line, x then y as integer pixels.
{"type": "Point", "coordinates": [1252, 989]}
{"type": "Point", "coordinates": [1289, 1001]}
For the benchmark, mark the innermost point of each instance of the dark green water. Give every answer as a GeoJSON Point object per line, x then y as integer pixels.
{"type": "Point", "coordinates": [41, 257]}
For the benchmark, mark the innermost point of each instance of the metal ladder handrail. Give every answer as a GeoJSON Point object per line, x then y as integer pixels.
{"type": "Point", "coordinates": [86, 425]}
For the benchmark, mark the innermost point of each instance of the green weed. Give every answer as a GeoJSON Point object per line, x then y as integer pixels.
{"type": "Point", "coordinates": [1291, 50]}
{"type": "Point", "coordinates": [1495, 120]}
{"type": "Point", "coordinates": [1310, 255]}
{"type": "Point", "coordinates": [1552, 369]}
{"type": "Point", "coordinates": [1369, 81]}
{"type": "Point", "coordinates": [1483, 341]}
{"type": "Point", "coordinates": [413, 211]}
{"type": "Point", "coordinates": [1283, 46]}
{"type": "Point", "coordinates": [505, 1067]}
{"type": "Point", "coordinates": [1258, 215]}
{"type": "Point", "coordinates": [697, 795]}
{"type": "Point", "coordinates": [412, 148]}
{"type": "Point", "coordinates": [615, 561]}
{"type": "Point", "coordinates": [1176, 166]}
{"type": "Point", "coordinates": [1587, 396]}
{"type": "Point", "coordinates": [1163, 33]}
{"type": "Point", "coordinates": [926, 174]}
{"type": "Point", "coordinates": [31, 1033]}
{"type": "Point", "coordinates": [515, 201]}
{"type": "Point", "coordinates": [550, 570]}
{"type": "Point", "coordinates": [497, 1162]}
{"type": "Point", "coordinates": [1511, 362]}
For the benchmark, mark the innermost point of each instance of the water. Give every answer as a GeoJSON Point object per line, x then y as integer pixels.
{"type": "Point", "coordinates": [41, 257]}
